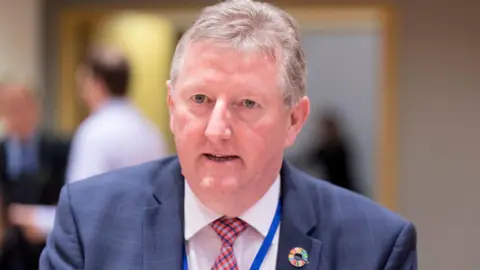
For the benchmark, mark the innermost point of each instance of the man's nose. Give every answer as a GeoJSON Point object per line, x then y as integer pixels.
{"type": "Point", "coordinates": [218, 127]}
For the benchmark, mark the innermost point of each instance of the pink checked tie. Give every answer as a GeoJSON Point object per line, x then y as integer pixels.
{"type": "Point", "coordinates": [228, 229]}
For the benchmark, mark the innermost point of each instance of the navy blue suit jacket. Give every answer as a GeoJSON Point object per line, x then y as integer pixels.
{"type": "Point", "coordinates": [133, 219]}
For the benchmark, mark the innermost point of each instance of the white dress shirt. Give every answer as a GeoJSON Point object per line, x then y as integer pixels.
{"type": "Point", "coordinates": [115, 136]}
{"type": "Point", "coordinates": [203, 244]}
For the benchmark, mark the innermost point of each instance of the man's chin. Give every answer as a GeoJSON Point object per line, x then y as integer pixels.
{"type": "Point", "coordinates": [222, 183]}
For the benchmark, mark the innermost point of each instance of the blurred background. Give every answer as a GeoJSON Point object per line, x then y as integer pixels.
{"type": "Point", "coordinates": [395, 90]}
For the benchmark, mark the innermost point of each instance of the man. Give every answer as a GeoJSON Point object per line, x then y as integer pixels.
{"type": "Point", "coordinates": [236, 100]}
{"type": "Point", "coordinates": [116, 134]}
{"type": "Point", "coordinates": [15, 251]}
{"type": "Point", "coordinates": [32, 166]}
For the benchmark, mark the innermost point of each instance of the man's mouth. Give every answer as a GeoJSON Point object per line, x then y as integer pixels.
{"type": "Point", "coordinates": [221, 157]}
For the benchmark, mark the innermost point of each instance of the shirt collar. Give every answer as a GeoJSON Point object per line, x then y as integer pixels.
{"type": "Point", "coordinates": [259, 216]}
{"type": "Point", "coordinates": [17, 142]}
{"type": "Point", "coordinates": [113, 103]}
{"type": "Point", "coordinates": [197, 215]}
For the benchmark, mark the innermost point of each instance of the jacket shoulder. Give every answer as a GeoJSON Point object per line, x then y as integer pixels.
{"type": "Point", "coordinates": [349, 223]}
{"type": "Point", "coordinates": [347, 207]}
{"type": "Point", "coordinates": [126, 184]}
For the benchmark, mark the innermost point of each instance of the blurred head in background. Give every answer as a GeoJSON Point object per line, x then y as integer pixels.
{"type": "Point", "coordinates": [330, 126]}
{"type": "Point", "coordinates": [20, 109]}
{"type": "Point", "coordinates": [104, 75]}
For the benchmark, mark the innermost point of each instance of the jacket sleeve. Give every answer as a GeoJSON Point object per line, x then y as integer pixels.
{"type": "Point", "coordinates": [63, 249]}
{"type": "Point", "coordinates": [403, 255]}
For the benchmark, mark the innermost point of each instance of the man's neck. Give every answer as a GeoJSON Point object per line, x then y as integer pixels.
{"type": "Point", "coordinates": [21, 136]}
{"type": "Point", "coordinates": [105, 102]}
{"type": "Point", "coordinates": [234, 205]}
{"type": "Point", "coordinates": [95, 106]}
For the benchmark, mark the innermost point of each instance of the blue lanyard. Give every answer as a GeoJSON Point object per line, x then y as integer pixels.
{"type": "Point", "coordinates": [267, 242]}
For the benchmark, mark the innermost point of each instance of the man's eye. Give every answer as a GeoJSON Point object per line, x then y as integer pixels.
{"type": "Point", "coordinates": [199, 98]}
{"type": "Point", "coordinates": [248, 103]}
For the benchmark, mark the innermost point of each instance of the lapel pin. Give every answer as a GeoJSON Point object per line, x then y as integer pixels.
{"type": "Point", "coordinates": [298, 257]}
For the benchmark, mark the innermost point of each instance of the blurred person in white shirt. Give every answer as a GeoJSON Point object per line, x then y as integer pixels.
{"type": "Point", "coordinates": [116, 134]}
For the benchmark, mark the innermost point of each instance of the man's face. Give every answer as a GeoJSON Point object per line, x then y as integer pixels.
{"type": "Point", "coordinates": [229, 120]}
{"type": "Point", "coordinates": [20, 110]}
{"type": "Point", "coordinates": [87, 86]}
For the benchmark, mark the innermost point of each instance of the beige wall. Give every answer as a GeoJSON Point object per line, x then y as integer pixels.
{"type": "Point", "coordinates": [439, 129]}
{"type": "Point", "coordinates": [20, 40]}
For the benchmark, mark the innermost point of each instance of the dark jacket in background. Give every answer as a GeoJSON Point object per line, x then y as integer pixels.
{"type": "Point", "coordinates": [44, 186]}
{"type": "Point", "coordinates": [15, 252]}
{"type": "Point", "coordinates": [40, 188]}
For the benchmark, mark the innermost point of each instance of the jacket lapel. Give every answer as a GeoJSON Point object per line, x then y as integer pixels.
{"type": "Point", "coordinates": [298, 219]}
{"type": "Point", "coordinates": [163, 220]}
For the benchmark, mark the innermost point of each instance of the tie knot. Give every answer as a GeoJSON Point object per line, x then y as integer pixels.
{"type": "Point", "coordinates": [228, 229]}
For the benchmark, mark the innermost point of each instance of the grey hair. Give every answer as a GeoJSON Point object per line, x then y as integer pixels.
{"type": "Point", "coordinates": [247, 25]}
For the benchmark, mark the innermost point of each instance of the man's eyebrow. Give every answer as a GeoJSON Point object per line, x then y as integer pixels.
{"type": "Point", "coordinates": [194, 85]}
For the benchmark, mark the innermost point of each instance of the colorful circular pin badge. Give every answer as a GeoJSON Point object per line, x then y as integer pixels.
{"type": "Point", "coordinates": [298, 257]}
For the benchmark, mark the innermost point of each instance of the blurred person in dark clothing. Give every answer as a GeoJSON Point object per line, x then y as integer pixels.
{"type": "Point", "coordinates": [32, 165]}
{"type": "Point", "coordinates": [15, 252]}
{"type": "Point", "coordinates": [332, 154]}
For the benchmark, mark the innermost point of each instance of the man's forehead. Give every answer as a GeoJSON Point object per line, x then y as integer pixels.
{"type": "Point", "coordinates": [17, 93]}
{"type": "Point", "coordinates": [208, 65]}
{"type": "Point", "coordinates": [223, 55]}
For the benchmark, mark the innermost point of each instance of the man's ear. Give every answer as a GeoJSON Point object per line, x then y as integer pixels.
{"type": "Point", "coordinates": [169, 94]}
{"type": "Point", "coordinates": [170, 103]}
{"type": "Point", "coordinates": [297, 118]}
